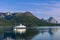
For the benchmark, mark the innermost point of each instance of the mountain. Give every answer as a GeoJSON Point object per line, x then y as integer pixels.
{"type": "Point", "coordinates": [26, 18]}
{"type": "Point", "coordinates": [52, 20]}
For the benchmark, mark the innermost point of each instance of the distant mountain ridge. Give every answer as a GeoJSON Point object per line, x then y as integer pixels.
{"type": "Point", "coordinates": [26, 18]}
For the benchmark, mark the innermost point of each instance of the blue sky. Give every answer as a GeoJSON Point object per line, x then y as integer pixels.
{"type": "Point", "coordinates": [40, 8]}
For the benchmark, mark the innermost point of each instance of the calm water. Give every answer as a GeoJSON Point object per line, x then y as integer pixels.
{"type": "Point", "coordinates": [39, 33]}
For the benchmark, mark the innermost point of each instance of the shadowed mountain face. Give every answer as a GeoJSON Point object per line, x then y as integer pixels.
{"type": "Point", "coordinates": [26, 18]}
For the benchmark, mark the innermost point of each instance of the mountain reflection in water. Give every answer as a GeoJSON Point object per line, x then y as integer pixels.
{"type": "Point", "coordinates": [34, 34]}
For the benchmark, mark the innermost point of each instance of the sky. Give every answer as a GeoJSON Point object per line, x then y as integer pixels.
{"type": "Point", "coordinates": [39, 8]}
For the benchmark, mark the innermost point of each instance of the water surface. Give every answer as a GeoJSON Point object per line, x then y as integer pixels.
{"type": "Point", "coordinates": [36, 33]}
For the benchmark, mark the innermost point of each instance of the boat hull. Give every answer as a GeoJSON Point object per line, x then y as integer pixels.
{"type": "Point", "coordinates": [20, 31]}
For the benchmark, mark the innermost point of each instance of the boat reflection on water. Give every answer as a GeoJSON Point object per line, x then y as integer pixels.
{"type": "Point", "coordinates": [23, 35]}
{"type": "Point", "coordinates": [14, 36]}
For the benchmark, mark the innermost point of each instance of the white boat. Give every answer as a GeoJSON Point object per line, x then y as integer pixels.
{"type": "Point", "coordinates": [20, 29]}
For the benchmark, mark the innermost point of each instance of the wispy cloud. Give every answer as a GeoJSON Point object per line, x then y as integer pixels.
{"type": "Point", "coordinates": [47, 9]}
{"type": "Point", "coordinates": [40, 8]}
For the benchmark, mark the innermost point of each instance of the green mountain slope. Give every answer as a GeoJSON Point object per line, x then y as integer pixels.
{"type": "Point", "coordinates": [26, 18]}
{"type": "Point", "coordinates": [29, 19]}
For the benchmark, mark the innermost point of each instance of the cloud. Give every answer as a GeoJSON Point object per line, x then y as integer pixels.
{"type": "Point", "coordinates": [47, 9]}
{"type": "Point", "coordinates": [43, 8]}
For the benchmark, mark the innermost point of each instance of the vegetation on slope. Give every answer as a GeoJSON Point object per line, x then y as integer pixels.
{"type": "Point", "coordinates": [26, 18]}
